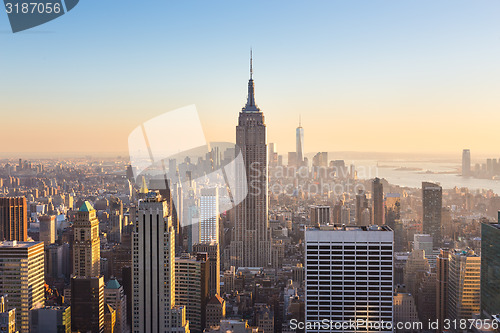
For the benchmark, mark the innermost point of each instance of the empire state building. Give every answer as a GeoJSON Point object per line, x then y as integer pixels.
{"type": "Point", "coordinates": [251, 243]}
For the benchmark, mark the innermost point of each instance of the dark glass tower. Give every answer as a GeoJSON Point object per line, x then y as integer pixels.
{"type": "Point", "coordinates": [490, 270]}
{"type": "Point", "coordinates": [378, 202]}
{"type": "Point", "coordinates": [432, 201]}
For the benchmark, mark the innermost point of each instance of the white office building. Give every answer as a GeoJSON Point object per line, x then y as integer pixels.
{"type": "Point", "coordinates": [349, 278]}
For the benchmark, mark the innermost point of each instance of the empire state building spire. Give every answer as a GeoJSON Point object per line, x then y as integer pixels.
{"type": "Point", "coordinates": [251, 106]}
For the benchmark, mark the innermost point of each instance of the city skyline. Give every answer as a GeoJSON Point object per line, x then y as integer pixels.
{"type": "Point", "coordinates": [429, 76]}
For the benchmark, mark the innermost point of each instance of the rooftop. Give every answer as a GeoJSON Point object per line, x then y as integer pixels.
{"type": "Point", "coordinates": [349, 228]}
{"type": "Point", "coordinates": [113, 284]}
{"type": "Point", "coordinates": [17, 244]}
{"type": "Point", "coordinates": [86, 207]}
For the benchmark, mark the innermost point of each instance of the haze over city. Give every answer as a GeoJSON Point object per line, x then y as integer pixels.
{"type": "Point", "coordinates": [400, 77]}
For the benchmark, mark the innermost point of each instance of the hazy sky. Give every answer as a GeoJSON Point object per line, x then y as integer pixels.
{"type": "Point", "coordinates": [386, 76]}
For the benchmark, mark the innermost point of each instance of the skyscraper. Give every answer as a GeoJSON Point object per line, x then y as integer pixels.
{"type": "Point", "coordinates": [361, 205]}
{"type": "Point", "coordinates": [13, 219]}
{"type": "Point", "coordinates": [432, 201]}
{"type": "Point", "coordinates": [349, 275]}
{"type": "Point", "coordinates": [442, 275]}
{"type": "Point", "coordinates": [466, 172]}
{"type": "Point", "coordinates": [464, 285]}
{"type": "Point", "coordinates": [153, 271]}
{"type": "Point", "coordinates": [490, 270]}
{"type": "Point", "coordinates": [86, 246]}
{"type": "Point", "coordinates": [87, 304]}
{"type": "Point", "coordinates": [251, 242]}
{"type": "Point", "coordinates": [392, 209]}
{"type": "Point", "coordinates": [87, 284]}
{"type": "Point", "coordinates": [22, 278]}
{"type": "Point", "coordinates": [114, 295]}
{"type": "Point", "coordinates": [209, 215]}
{"type": "Point", "coordinates": [299, 143]}
{"type": "Point", "coordinates": [378, 201]}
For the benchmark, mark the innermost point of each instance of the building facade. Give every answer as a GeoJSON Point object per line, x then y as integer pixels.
{"type": "Point", "coordinates": [432, 201]}
{"type": "Point", "coordinates": [13, 219]}
{"type": "Point", "coordinates": [191, 288]}
{"type": "Point", "coordinates": [212, 249]}
{"type": "Point", "coordinates": [209, 215]}
{"type": "Point", "coordinates": [349, 276]}
{"type": "Point", "coordinates": [86, 244]}
{"type": "Point", "coordinates": [153, 269]}
{"type": "Point", "coordinates": [22, 278]}
{"type": "Point", "coordinates": [464, 285]}
{"type": "Point", "coordinates": [251, 242]}
{"type": "Point", "coordinates": [490, 270]}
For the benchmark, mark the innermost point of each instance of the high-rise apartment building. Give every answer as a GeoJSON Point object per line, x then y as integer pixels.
{"type": "Point", "coordinates": [466, 170]}
{"type": "Point", "coordinates": [251, 241]}
{"type": "Point", "coordinates": [209, 215]}
{"type": "Point", "coordinates": [349, 276]}
{"type": "Point", "coordinates": [378, 202]}
{"type": "Point", "coordinates": [191, 288]}
{"type": "Point", "coordinates": [464, 284]}
{"type": "Point", "coordinates": [490, 270]}
{"type": "Point", "coordinates": [13, 219]}
{"type": "Point", "coordinates": [86, 245]}
{"type": "Point", "coordinates": [22, 278]}
{"type": "Point", "coordinates": [432, 202]}
{"type": "Point", "coordinates": [212, 249]}
{"type": "Point", "coordinates": [153, 271]}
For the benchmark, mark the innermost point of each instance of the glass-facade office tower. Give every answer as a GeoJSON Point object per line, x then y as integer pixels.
{"type": "Point", "coordinates": [432, 200]}
{"type": "Point", "coordinates": [349, 276]}
{"type": "Point", "coordinates": [490, 270]}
